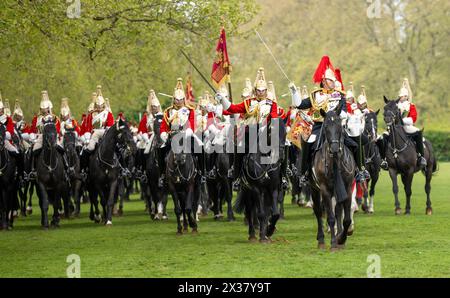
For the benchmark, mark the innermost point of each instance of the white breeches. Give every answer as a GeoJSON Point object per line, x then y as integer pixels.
{"type": "Point", "coordinates": [98, 133]}
{"type": "Point", "coordinates": [10, 147]}
{"type": "Point", "coordinates": [38, 143]}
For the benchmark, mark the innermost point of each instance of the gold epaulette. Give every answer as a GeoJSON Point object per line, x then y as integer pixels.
{"type": "Point", "coordinates": [190, 106]}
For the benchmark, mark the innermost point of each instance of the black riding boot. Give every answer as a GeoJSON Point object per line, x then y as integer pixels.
{"type": "Point", "coordinates": [306, 162]}
{"type": "Point", "coordinates": [418, 139]}
{"type": "Point", "coordinates": [284, 167]}
{"type": "Point", "coordinates": [34, 154]}
{"type": "Point", "coordinates": [65, 162]}
{"type": "Point", "coordinates": [162, 165]}
{"type": "Point", "coordinates": [238, 158]}
{"type": "Point", "coordinates": [382, 144]}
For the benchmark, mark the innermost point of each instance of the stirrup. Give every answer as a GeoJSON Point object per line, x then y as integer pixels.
{"type": "Point", "coordinates": [161, 182]}
{"type": "Point", "coordinates": [422, 162]}
{"type": "Point", "coordinates": [289, 172]}
{"type": "Point", "coordinates": [237, 184]}
{"type": "Point", "coordinates": [202, 179]}
{"type": "Point", "coordinates": [230, 173]}
{"type": "Point", "coordinates": [212, 174]}
{"type": "Point", "coordinates": [384, 165]}
{"type": "Point", "coordinates": [303, 179]}
{"type": "Point", "coordinates": [284, 183]}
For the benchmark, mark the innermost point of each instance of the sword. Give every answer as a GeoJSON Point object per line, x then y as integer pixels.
{"type": "Point", "coordinates": [166, 95]}
{"type": "Point", "coordinates": [271, 54]}
{"type": "Point", "coordinates": [199, 72]}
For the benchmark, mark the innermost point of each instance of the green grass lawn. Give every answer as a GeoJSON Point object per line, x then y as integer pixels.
{"type": "Point", "coordinates": [409, 246]}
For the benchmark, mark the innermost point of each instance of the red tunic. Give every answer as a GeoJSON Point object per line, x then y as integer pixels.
{"type": "Point", "coordinates": [349, 108]}
{"type": "Point", "coordinates": [413, 112]}
{"type": "Point", "coordinates": [34, 128]}
{"type": "Point", "coordinates": [240, 108]}
{"type": "Point", "coordinates": [90, 127]}
{"type": "Point", "coordinates": [165, 126]}
{"type": "Point", "coordinates": [143, 124]}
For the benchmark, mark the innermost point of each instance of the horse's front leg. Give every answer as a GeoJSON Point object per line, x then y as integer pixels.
{"type": "Point", "coordinates": [110, 202]}
{"type": "Point", "coordinates": [4, 208]}
{"type": "Point", "coordinates": [393, 174]}
{"type": "Point", "coordinates": [229, 197]}
{"type": "Point", "coordinates": [177, 208]}
{"type": "Point", "coordinates": [347, 222]}
{"type": "Point", "coordinates": [275, 212]}
{"type": "Point", "coordinates": [190, 210]}
{"type": "Point", "coordinates": [331, 218]}
{"type": "Point", "coordinates": [407, 183]}
{"type": "Point", "coordinates": [43, 202]}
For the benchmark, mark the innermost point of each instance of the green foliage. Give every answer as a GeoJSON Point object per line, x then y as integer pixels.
{"type": "Point", "coordinates": [441, 144]}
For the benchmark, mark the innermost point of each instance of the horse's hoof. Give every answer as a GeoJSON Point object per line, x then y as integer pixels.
{"type": "Point", "coordinates": [252, 239]}
{"type": "Point", "coordinates": [341, 246]}
{"type": "Point", "coordinates": [350, 232]}
{"type": "Point", "coordinates": [185, 231]}
{"type": "Point", "coordinates": [407, 212]}
{"type": "Point", "coordinates": [334, 248]}
{"type": "Point", "coordinates": [321, 246]}
{"type": "Point", "coordinates": [194, 231]}
{"type": "Point", "coordinates": [398, 211]}
{"type": "Point", "coordinates": [45, 228]}
{"type": "Point", "coordinates": [165, 217]}
{"type": "Point", "coordinates": [265, 241]}
{"type": "Point", "coordinates": [120, 212]}
{"type": "Point", "coordinates": [429, 211]}
{"type": "Point", "coordinates": [179, 233]}
{"type": "Point", "coordinates": [230, 219]}
{"type": "Point", "coordinates": [108, 223]}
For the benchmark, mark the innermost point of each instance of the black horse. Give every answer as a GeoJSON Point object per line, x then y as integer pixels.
{"type": "Point", "coordinates": [7, 185]}
{"type": "Point", "coordinates": [73, 161]}
{"type": "Point", "coordinates": [29, 185]}
{"type": "Point", "coordinates": [104, 169]}
{"type": "Point", "coordinates": [332, 175]}
{"type": "Point", "coordinates": [373, 159]}
{"type": "Point", "coordinates": [260, 192]}
{"type": "Point", "coordinates": [402, 157]}
{"type": "Point", "coordinates": [219, 185]}
{"type": "Point", "coordinates": [181, 173]}
{"type": "Point", "coordinates": [156, 195]}
{"type": "Point", "coordinates": [51, 179]}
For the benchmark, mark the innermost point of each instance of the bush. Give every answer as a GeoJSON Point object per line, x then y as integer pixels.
{"type": "Point", "coordinates": [441, 144]}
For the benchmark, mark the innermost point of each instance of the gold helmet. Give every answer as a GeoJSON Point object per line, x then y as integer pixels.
{"type": "Point", "coordinates": [17, 110]}
{"type": "Point", "coordinates": [7, 108]}
{"type": "Point", "coordinates": [91, 106]}
{"type": "Point", "coordinates": [260, 82]}
{"type": "Point", "coordinates": [152, 100]}
{"type": "Point", "coordinates": [178, 93]}
{"type": "Point", "coordinates": [350, 92]}
{"type": "Point", "coordinates": [271, 91]}
{"type": "Point", "coordinates": [100, 100]}
{"type": "Point", "coordinates": [362, 99]}
{"type": "Point", "coordinates": [65, 110]}
{"type": "Point", "coordinates": [45, 101]}
{"type": "Point", "coordinates": [248, 89]}
{"type": "Point", "coordinates": [406, 89]}
{"type": "Point", "coordinates": [202, 102]}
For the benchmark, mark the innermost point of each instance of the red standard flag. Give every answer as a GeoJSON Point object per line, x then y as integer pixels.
{"type": "Point", "coordinates": [221, 65]}
{"type": "Point", "coordinates": [189, 89]}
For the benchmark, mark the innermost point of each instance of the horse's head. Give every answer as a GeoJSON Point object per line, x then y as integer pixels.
{"type": "Point", "coordinates": [391, 112]}
{"type": "Point", "coordinates": [371, 124]}
{"type": "Point", "coordinates": [50, 135]}
{"type": "Point", "coordinates": [332, 129]}
{"type": "Point", "coordinates": [70, 138]}
{"type": "Point", "coordinates": [125, 136]}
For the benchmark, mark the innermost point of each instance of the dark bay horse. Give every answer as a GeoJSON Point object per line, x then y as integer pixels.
{"type": "Point", "coordinates": [373, 159]}
{"type": "Point", "coordinates": [402, 157]}
{"type": "Point", "coordinates": [181, 173]}
{"type": "Point", "coordinates": [51, 179]}
{"type": "Point", "coordinates": [332, 175]}
{"type": "Point", "coordinates": [219, 186]}
{"type": "Point", "coordinates": [260, 191]}
{"type": "Point", "coordinates": [73, 161]}
{"type": "Point", "coordinates": [7, 183]}
{"type": "Point", "coordinates": [104, 168]}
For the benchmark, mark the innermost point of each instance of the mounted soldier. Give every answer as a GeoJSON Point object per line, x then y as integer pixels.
{"type": "Point", "coordinates": [67, 121]}
{"type": "Point", "coordinates": [326, 98]}
{"type": "Point", "coordinates": [146, 125]}
{"type": "Point", "coordinates": [178, 118]}
{"type": "Point", "coordinates": [409, 117]}
{"type": "Point", "coordinates": [257, 110]}
{"type": "Point", "coordinates": [37, 127]}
